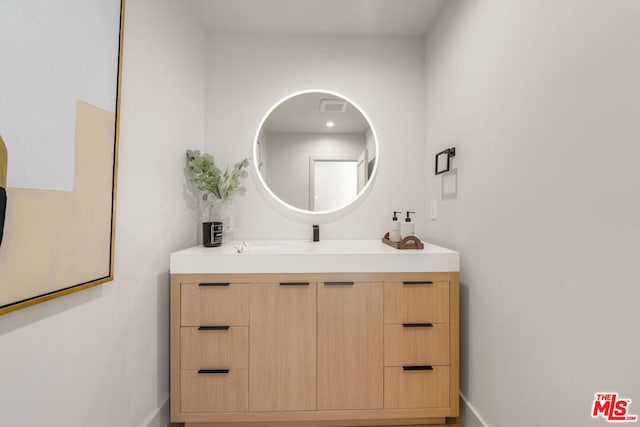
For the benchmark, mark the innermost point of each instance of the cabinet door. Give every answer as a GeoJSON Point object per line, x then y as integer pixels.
{"type": "Point", "coordinates": [350, 345]}
{"type": "Point", "coordinates": [282, 367]}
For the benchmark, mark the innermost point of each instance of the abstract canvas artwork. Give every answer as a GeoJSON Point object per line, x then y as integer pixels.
{"type": "Point", "coordinates": [58, 155]}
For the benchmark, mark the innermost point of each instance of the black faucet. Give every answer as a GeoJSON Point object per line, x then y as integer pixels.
{"type": "Point", "coordinates": [316, 233]}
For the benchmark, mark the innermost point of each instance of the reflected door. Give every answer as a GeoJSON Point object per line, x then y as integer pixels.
{"type": "Point", "coordinates": [334, 183]}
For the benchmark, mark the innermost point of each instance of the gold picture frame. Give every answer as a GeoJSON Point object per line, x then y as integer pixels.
{"type": "Point", "coordinates": [60, 241]}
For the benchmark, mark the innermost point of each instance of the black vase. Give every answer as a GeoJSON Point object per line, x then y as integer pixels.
{"type": "Point", "coordinates": [211, 234]}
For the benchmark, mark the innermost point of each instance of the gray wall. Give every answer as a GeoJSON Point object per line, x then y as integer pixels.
{"type": "Point", "coordinates": [541, 101]}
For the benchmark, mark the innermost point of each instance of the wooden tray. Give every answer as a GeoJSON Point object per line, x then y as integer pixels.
{"type": "Point", "coordinates": [409, 242]}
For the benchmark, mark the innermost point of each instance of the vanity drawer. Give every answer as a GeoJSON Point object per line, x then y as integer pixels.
{"type": "Point", "coordinates": [415, 344]}
{"type": "Point", "coordinates": [214, 304]}
{"type": "Point", "coordinates": [213, 346]}
{"type": "Point", "coordinates": [416, 301]}
{"type": "Point", "coordinates": [416, 387]}
{"type": "Point", "coordinates": [214, 392]}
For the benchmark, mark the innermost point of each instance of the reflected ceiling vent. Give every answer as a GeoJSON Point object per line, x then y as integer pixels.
{"type": "Point", "coordinates": [333, 105]}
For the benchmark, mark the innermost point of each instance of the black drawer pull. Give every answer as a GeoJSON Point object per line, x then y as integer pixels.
{"type": "Point", "coordinates": [418, 368]}
{"type": "Point", "coordinates": [215, 284]}
{"type": "Point", "coordinates": [417, 282]}
{"type": "Point", "coordinates": [418, 325]}
{"type": "Point", "coordinates": [294, 283]}
{"type": "Point", "coordinates": [213, 371]}
{"type": "Point", "coordinates": [214, 328]}
{"type": "Point", "coordinates": [338, 283]}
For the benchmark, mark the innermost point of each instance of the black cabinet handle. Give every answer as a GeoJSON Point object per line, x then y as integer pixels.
{"type": "Point", "coordinates": [418, 368]}
{"type": "Point", "coordinates": [338, 283]}
{"type": "Point", "coordinates": [294, 283]}
{"type": "Point", "coordinates": [213, 371]}
{"type": "Point", "coordinates": [215, 284]}
{"type": "Point", "coordinates": [418, 325]}
{"type": "Point", "coordinates": [417, 282]}
{"type": "Point", "coordinates": [214, 328]}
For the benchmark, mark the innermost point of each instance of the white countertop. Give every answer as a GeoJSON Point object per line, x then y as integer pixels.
{"type": "Point", "coordinates": [300, 256]}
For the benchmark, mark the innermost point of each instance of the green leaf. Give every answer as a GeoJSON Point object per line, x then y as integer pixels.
{"type": "Point", "coordinates": [210, 179]}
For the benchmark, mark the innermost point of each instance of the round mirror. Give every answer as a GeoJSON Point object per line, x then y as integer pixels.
{"type": "Point", "coordinates": [315, 151]}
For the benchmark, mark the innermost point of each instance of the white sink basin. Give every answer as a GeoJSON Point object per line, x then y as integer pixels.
{"type": "Point", "coordinates": [302, 256]}
{"type": "Point", "coordinates": [308, 247]}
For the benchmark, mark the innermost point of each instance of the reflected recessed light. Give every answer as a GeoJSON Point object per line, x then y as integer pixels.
{"type": "Point", "coordinates": [330, 124]}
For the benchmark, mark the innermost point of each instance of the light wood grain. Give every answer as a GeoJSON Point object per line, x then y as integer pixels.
{"type": "Point", "coordinates": [422, 422]}
{"type": "Point", "coordinates": [215, 305]}
{"type": "Point", "coordinates": [416, 303]}
{"type": "Point", "coordinates": [174, 348]}
{"type": "Point", "coordinates": [416, 346]}
{"type": "Point", "coordinates": [416, 389]}
{"type": "Point", "coordinates": [214, 392]}
{"type": "Point", "coordinates": [314, 277]}
{"type": "Point", "coordinates": [350, 346]}
{"type": "Point", "coordinates": [283, 348]}
{"type": "Point", "coordinates": [322, 418]}
{"type": "Point", "coordinates": [337, 313]}
{"type": "Point", "coordinates": [202, 349]}
{"type": "Point", "coordinates": [454, 345]}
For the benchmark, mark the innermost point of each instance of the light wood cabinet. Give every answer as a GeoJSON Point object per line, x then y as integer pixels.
{"type": "Point", "coordinates": [415, 301]}
{"type": "Point", "coordinates": [214, 303]}
{"type": "Point", "coordinates": [350, 343]}
{"type": "Point", "coordinates": [416, 387]}
{"type": "Point", "coordinates": [211, 346]}
{"type": "Point", "coordinates": [416, 343]}
{"type": "Point", "coordinates": [211, 391]}
{"type": "Point", "coordinates": [213, 331]}
{"type": "Point", "coordinates": [314, 349]}
{"type": "Point", "coordinates": [282, 371]}
{"type": "Point", "coordinates": [417, 316]}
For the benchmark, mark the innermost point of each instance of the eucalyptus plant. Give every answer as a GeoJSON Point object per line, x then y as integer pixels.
{"type": "Point", "coordinates": [210, 179]}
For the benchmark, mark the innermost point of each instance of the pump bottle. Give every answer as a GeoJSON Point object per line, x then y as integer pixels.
{"type": "Point", "coordinates": [394, 232]}
{"type": "Point", "coordinates": [407, 228]}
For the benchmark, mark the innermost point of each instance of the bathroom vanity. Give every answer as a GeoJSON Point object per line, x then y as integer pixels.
{"type": "Point", "coordinates": [326, 333]}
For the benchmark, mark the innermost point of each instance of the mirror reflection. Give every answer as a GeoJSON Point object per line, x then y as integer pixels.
{"type": "Point", "coordinates": [315, 151]}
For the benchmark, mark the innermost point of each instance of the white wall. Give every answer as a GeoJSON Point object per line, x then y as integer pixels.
{"type": "Point", "coordinates": [288, 155]}
{"type": "Point", "coordinates": [384, 76]}
{"type": "Point", "coordinates": [100, 357]}
{"type": "Point", "coordinates": [541, 101]}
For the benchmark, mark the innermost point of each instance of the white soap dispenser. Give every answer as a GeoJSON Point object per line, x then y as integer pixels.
{"type": "Point", "coordinates": [407, 228]}
{"type": "Point", "coordinates": [394, 232]}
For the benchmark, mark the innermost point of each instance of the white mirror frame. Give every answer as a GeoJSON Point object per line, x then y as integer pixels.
{"type": "Point", "coordinates": [256, 155]}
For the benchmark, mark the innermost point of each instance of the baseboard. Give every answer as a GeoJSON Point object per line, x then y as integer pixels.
{"type": "Point", "coordinates": [159, 417]}
{"type": "Point", "coordinates": [469, 415]}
